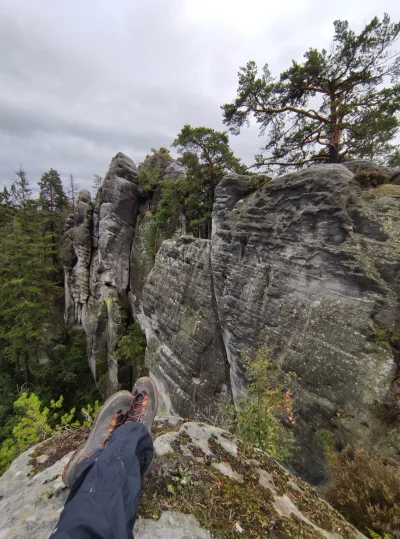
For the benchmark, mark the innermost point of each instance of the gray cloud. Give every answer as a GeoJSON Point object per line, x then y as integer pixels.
{"type": "Point", "coordinates": [83, 80]}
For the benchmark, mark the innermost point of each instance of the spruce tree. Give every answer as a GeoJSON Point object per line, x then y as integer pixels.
{"type": "Point", "coordinates": [26, 283]}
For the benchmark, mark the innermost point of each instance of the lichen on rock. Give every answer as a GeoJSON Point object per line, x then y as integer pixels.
{"type": "Point", "coordinates": [207, 484]}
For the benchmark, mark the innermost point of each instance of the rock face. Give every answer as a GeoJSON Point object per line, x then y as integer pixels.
{"type": "Point", "coordinates": [198, 487]}
{"type": "Point", "coordinates": [307, 266]}
{"type": "Point", "coordinates": [305, 269]}
{"type": "Point", "coordinates": [181, 322]}
{"type": "Point", "coordinates": [76, 254]}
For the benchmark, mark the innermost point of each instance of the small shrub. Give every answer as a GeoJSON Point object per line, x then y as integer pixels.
{"type": "Point", "coordinates": [131, 349]}
{"type": "Point", "coordinates": [259, 182]}
{"type": "Point", "coordinates": [366, 490]}
{"type": "Point", "coordinates": [269, 400]}
{"type": "Point", "coordinates": [326, 439]}
{"type": "Point", "coordinates": [371, 178]}
{"type": "Point", "coordinates": [34, 424]}
{"type": "Point", "coordinates": [32, 427]}
{"type": "Point", "coordinates": [383, 337]}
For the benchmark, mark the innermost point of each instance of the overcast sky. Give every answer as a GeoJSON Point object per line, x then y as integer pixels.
{"type": "Point", "coordinates": [81, 80]}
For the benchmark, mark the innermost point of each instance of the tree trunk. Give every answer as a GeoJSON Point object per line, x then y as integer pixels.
{"type": "Point", "coordinates": [336, 132]}
{"type": "Point", "coordinates": [27, 371]}
{"type": "Point", "coordinates": [333, 153]}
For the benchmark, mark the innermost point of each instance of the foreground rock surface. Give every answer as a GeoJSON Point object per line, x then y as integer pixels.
{"type": "Point", "coordinates": [204, 482]}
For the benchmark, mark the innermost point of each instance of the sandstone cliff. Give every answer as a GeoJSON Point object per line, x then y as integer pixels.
{"type": "Point", "coordinates": [306, 265]}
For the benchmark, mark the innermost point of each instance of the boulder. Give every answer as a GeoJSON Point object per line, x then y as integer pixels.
{"type": "Point", "coordinates": [363, 165]}
{"type": "Point", "coordinates": [204, 482]}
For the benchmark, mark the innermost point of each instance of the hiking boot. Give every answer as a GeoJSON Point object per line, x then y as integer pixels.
{"type": "Point", "coordinates": [145, 403]}
{"type": "Point", "coordinates": [111, 416]}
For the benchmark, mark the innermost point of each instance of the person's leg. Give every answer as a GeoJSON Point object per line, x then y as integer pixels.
{"type": "Point", "coordinates": [104, 500]}
{"type": "Point", "coordinates": [104, 475]}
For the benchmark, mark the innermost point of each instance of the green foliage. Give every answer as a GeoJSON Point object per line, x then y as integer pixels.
{"type": "Point", "coordinates": [68, 374]}
{"type": "Point", "coordinates": [186, 203]}
{"type": "Point", "coordinates": [326, 439]}
{"type": "Point", "coordinates": [26, 283]}
{"type": "Point", "coordinates": [374, 535]}
{"type": "Point", "coordinates": [269, 400]}
{"type": "Point", "coordinates": [28, 287]}
{"type": "Point", "coordinates": [366, 490]}
{"type": "Point", "coordinates": [259, 181]}
{"type": "Point", "coordinates": [51, 195]}
{"type": "Point", "coordinates": [35, 422]}
{"type": "Point", "coordinates": [382, 335]}
{"type": "Point", "coordinates": [337, 104]}
{"type": "Point", "coordinates": [131, 349]}
{"type": "Point", "coordinates": [207, 156]}
{"type": "Point", "coordinates": [394, 158]}
{"type": "Point", "coordinates": [72, 419]}
{"type": "Point", "coordinates": [32, 427]}
{"type": "Point", "coordinates": [149, 177]}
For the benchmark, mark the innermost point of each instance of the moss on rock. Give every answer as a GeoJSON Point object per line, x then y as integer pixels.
{"type": "Point", "coordinates": [228, 486]}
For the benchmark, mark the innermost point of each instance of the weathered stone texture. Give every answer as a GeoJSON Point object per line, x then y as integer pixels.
{"type": "Point", "coordinates": [185, 352]}
{"type": "Point", "coordinates": [183, 495]}
{"type": "Point", "coordinates": [307, 266]}
{"type": "Point", "coordinates": [296, 271]}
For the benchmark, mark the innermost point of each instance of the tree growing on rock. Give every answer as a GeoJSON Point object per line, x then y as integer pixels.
{"type": "Point", "coordinates": [73, 188]}
{"type": "Point", "coordinates": [336, 104]}
{"type": "Point", "coordinates": [97, 182]}
{"type": "Point", "coordinates": [207, 156]}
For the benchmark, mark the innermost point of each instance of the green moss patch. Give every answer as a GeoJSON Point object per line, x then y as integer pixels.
{"type": "Point", "coordinates": [55, 448]}
{"type": "Point", "coordinates": [178, 483]}
{"type": "Point", "coordinates": [385, 190]}
{"type": "Point", "coordinates": [255, 494]}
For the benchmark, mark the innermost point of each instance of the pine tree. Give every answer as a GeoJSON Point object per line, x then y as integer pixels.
{"type": "Point", "coordinates": [207, 157]}
{"type": "Point", "coordinates": [51, 196]}
{"type": "Point", "coordinates": [336, 104]}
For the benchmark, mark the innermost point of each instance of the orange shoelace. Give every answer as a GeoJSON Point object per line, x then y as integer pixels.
{"type": "Point", "coordinates": [138, 407]}
{"type": "Point", "coordinates": [117, 420]}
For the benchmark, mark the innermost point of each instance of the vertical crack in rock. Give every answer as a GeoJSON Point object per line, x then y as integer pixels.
{"type": "Point", "coordinates": [184, 352]}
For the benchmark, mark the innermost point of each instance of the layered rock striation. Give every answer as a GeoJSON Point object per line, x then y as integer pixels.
{"type": "Point", "coordinates": [306, 265]}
